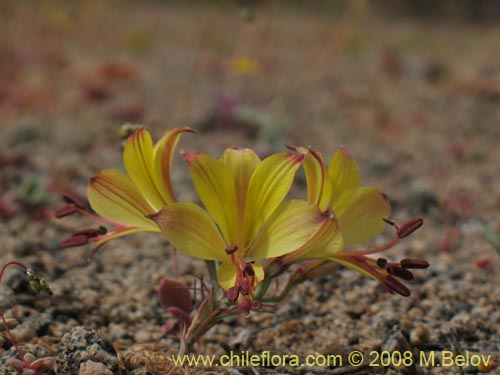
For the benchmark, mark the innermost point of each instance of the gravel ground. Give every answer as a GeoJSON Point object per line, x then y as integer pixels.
{"type": "Point", "coordinates": [416, 104]}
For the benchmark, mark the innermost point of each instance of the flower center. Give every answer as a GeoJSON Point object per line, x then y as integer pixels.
{"type": "Point", "coordinates": [244, 284]}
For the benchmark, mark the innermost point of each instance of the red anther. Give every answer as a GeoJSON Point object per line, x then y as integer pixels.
{"type": "Point", "coordinates": [410, 227]}
{"type": "Point", "coordinates": [69, 209]}
{"type": "Point", "coordinates": [249, 269]}
{"type": "Point", "coordinates": [382, 262]}
{"type": "Point", "coordinates": [398, 271]}
{"type": "Point", "coordinates": [68, 198]}
{"type": "Point", "coordinates": [393, 285]}
{"type": "Point", "coordinates": [244, 287]}
{"type": "Point", "coordinates": [75, 240]}
{"type": "Point", "coordinates": [90, 233]}
{"type": "Point", "coordinates": [388, 289]}
{"type": "Point", "coordinates": [410, 263]}
{"type": "Point", "coordinates": [233, 293]}
{"type": "Point", "coordinates": [231, 249]}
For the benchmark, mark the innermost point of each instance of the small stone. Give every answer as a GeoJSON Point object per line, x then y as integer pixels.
{"type": "Point", "coordinates": [415, 314]}
{"type": "Point", "coordinates": [82, 345]}
{"type": "Point", "coordinates": [93, 368]}
{"type": "Point", "coordinates": [142, 336]}
{"type": "Point", "coordinates": [420, 335]}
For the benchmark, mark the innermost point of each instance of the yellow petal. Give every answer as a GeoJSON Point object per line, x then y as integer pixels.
{"type": "Point", "coordinates": [326, 242]}
{"type": "Point", "coordinates": [226, 275]}
{"type": "Point", "coordinates": [288, 229]}
{"type": "Point", "coordinates": [242, 163]}
{"type": "Point", "coordinates": [140, 166]}
{"type": "Point", "coordinates": [214, 183]}
{"type": "Point", "coordinates": [163, 155]}
{"type": "Point", "coordinates": [363, 218]}
{"type": "Point", "coordinates": [113, 196]}
{"type": "Point", "coordinates": [319, 188]}
{"type": "Point", "coordinates": [244, 65]}
{"type": "Point", "coordinates": [268, 186]}
{"type": "Point", "coordinates": [190, 230]}
{"type": "Point", "coordinates": [344, 178]}
{"type": "Point", "coordinates": [259, 272]}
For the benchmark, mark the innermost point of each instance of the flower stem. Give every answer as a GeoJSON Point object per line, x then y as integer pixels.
{"type": "Point", "coordinates": [280, 297]}
{"type": "Point", "coordinates": [377, 250]}
{"type": "Point", "coordinates": [7, 330]}
{"type": "Point", "coordinates": [262, 288]}
{"type": "Point", "coordinates": [212, 273]}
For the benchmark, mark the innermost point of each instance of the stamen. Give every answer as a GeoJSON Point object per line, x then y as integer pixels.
{"type": "Point", "coordinates": [231, 249]}
{"type": "Point", "coordinates": [409, 227]}
{"type": "Point", "coordinates": [398, 271]}
{"type": "Point", "coordinates": [233, 293]}
{"type": "Point", "coordinates": [244, 287]}
{"type": "Point", "coordinates": [69, 209]}
{"type": "Point", "coordinates": [74, 241]}
{"type": "Point", "coordinates": [382, 262]}
{"type": "Point", "coordinates": [249, 269]}
{"type": "Point", "coordinates": [410, 263]}
{"type": "Point", "coordinates": [92, 232]}
{"type": "Point", "coordinates": [393, 285]}
{"type": "Point", "coordinates": [70, 199]}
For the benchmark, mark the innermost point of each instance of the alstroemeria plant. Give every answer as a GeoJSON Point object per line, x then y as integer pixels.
{"type": "Point", "coordinates": [361, 213]}
{"type": "Point", "coordinates": [246, 219]}
{"type": "Point", "coordinates": [248, 232]}
{"type": "Point", "coordinates": [122, 200]}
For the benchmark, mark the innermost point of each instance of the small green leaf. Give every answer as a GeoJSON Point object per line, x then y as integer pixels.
{"type": "Point", "coordinates": [492, 236]}
{"type": "Point", "coordinates": [34, 194]}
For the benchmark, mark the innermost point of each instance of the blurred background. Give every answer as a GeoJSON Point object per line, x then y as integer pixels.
{"type": "Point", "coordinates": [411, 88]}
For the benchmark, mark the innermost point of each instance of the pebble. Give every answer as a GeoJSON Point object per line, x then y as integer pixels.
{"type": "Point", "coordinates": [93, 368]}
{"type": "Point", "coordinates": [420, 335]}
{"type": "Point", "coordinates": [142, 337]}
{"type": "Point", "coordinates": [81, 345]}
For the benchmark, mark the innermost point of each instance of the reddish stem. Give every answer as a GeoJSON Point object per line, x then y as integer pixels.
{"type": "Point", "coordinates": [377, 250]}
{"type": "Point", "coordinates": [96, 218]}
{"type": "Point", "coordinates": [9, 334]}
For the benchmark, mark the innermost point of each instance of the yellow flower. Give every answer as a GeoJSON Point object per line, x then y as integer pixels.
{"type": "Point", "coordinates": [244, 65]}
{"type": "Point", "coordinates": [247, 219]}
{"type": "Point", "coordinates": [357, 214]}
{"type": "Point", "coordinates": [123, 199]}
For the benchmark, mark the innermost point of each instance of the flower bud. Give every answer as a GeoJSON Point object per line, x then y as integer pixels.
{"type": "Point", "coordinates": [174, 293]}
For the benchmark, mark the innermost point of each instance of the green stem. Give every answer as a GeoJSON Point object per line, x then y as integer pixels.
{"type": "Point", "coordinates": [212, 273]}
{"type": "Point", "coordinates": [280, 297]}
{"type": "Point", "coordinates": [262, 288]}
